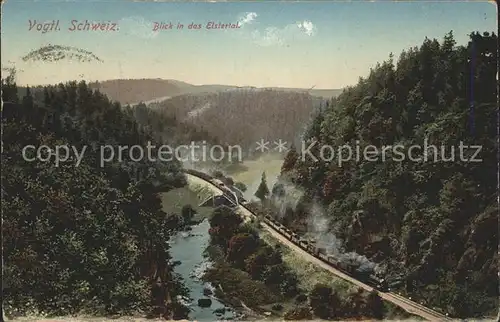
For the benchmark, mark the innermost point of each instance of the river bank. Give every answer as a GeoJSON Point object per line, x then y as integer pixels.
{"type": "Point", "coordinates": [187, 248]}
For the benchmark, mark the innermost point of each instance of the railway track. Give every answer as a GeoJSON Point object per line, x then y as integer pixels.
{"type": "Point", "coordinates": [441, 316]}
{"type": "Point", "coordinates": [406, 304]}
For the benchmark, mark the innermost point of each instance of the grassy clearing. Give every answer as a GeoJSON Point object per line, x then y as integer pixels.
{"type": "Point", "coordinates": [250, 171]}
{"type": "Point", "coordinates": [309, 275]}
{"type": "Point", "coordinates": [394, 312]}
{"type": "Point", "coordinates": [235, 168]}
{"type": "Point", "coordinates": [175, 199]}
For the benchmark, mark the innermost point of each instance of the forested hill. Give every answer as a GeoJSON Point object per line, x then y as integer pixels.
{"type": "Point", "coordinates": [433, 223]}
{"type": "Point", "coordinates": [244, 116]}
{"type": "Point", "coordinates": [82, 238]}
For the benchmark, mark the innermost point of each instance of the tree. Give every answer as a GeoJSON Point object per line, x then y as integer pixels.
{"type": "Point", "coordinates": [274, 274]}
{"type": "Point", "coordinates": [256, 264]}
{"type": "Point", "coordinates": [290, 160]}
{"type": "Point", "coordinates": [28, 100]}
{"type": "Point", "coordinates": [224, 223]}
{"type": "Point", "coordinates": [324, 301]}
{"type": "Point", "coordinates": [9, 87]}
{"type": "Point", "coordinates": [262, 191]}
{"type": "Point", "coordinates": [314, 130]}
{"type": "Point", "coordinates": [375, 305]}
{"type": "Point", "coordinates": [289, 285]}
{"type": "Point", "coordinates": [241, 246]}
{"type": "Point", "coordinates": [228, 181]}
{"type": "Point", "coordinates": [250, 228]}
{"type": "Point", "coordinates": [356, 302]}
{"type": "Point", "coordinates": [278, 191]}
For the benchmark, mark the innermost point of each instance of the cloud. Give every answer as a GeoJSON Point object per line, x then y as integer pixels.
{"type": "Point", "coordinates": [272, 36]}
{"type": "Point", "coordinates": [137, 26]}
{"type": "Point", "coordinates": [307, 27]}
{"type": "Point", "coordinates": [247, 18]}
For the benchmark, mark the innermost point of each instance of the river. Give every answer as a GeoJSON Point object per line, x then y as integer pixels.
{"type": "Point", "coordinates": [188, 248]}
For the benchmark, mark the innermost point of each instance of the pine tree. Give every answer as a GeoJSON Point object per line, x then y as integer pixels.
{"type": "Point", "coordinates": [290, 160]}
{"type": "Point", "coordinates": [314, 131]}
{"type": "Point", "coordinates": [28, 100]}
{"type": "Point", "coordinates": [263, 191]}
{"type": "Point", "coordinates": [9, 87]}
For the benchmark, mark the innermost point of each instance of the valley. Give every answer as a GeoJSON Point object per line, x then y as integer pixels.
{"type": "Point", "coordinates": [218, 216]}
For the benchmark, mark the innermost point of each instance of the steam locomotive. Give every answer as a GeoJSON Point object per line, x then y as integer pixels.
{"type": "Point", "coordinates": [350, 268]}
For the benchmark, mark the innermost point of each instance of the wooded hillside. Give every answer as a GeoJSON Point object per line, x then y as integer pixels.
{"type": "Point", "coordinates": [434, 224]}
{"type": "Point", "coordinates": [82, 238]}
{"type": "Point", "coordinates": [244, 116]}
{"type": "Point", "coordinates": [131, 91]}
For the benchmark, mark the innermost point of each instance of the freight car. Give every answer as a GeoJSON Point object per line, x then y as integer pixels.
{"type": "Point", "coordinates": [303, 243]}
{"type": "Point", "coordinates": [320, 252]}
{"type": "Point", "coordinates": [349, 268]}
{"type": "Point", "coordinates": [311, 248]}
{"type": "Point", "coordinates": [287, 233]}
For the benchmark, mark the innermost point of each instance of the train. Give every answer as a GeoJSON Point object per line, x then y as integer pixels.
{"type": "Point", "coordinates": [349, 268]}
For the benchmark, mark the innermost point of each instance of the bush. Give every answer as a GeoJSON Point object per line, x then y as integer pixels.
{"type": "Point", "coordinates": [238, 284]}
{"type": "Point", "coordinates": [375, 306]}
{"type": "Point", "coordinates": [240, 247]}
{"type": "Point", "coordinates": [298, 313]}
{"type": "Point", "coordinates": [241, 186]}
{"type": "Point", "coordinates": [301, 298]}
{"type": "Point", "coordinates": [228, 181]}
{"type": "Point", "coordinates": [218, 174]}
{"type": "Point", "coordinates": [324, 301]}
{"type": "Point", "coordinates": [224, 223]}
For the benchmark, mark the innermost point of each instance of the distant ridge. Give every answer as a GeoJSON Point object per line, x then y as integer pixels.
{"type": "Point", "coordinates": [133, 91]}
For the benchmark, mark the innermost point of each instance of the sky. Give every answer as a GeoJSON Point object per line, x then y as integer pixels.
{"type": "Point", "coordinates": [278, 44]}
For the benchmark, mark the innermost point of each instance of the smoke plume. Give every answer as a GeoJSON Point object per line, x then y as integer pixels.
{"type": "Point", "coordinates": [319, 228]}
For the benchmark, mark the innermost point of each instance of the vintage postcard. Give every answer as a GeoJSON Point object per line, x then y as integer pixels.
{"type": "Point", "coordinates": [247, 160]}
